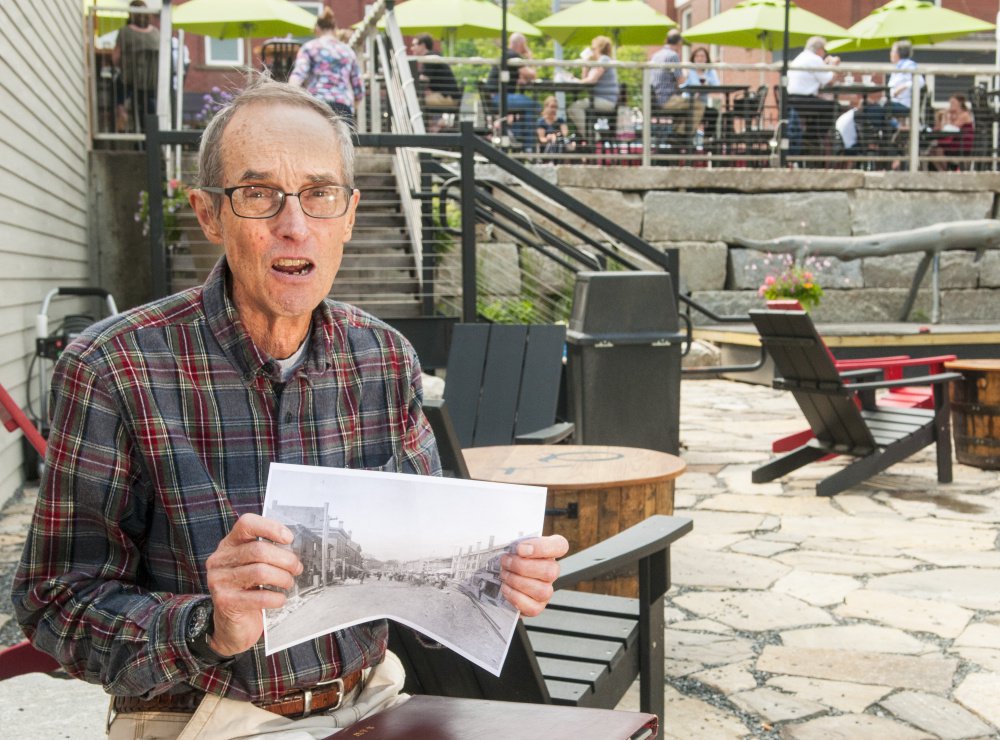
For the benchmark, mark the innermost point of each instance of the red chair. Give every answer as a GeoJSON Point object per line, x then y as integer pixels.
{"type": "Point", "coordinates": [22, 657]}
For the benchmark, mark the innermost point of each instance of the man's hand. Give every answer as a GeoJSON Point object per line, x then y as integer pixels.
{"type": "Point", "coordinates": [248, 558]}
{"type": "Point", "coordinates": [527, 576]}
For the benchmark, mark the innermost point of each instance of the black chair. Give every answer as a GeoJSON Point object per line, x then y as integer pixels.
{"type": "Point", "coordinates": [503, 384]}
{"type": "Point", "coordinates": [585, 649]}
{"type": "Point", "coordinates": [752, 138]}
{"type": "Point", "coordinates": [877, 436]}
{"type": "Point", "coordinates": [278, 57]}
{"type": "Point", "coordinates": [983, 116]}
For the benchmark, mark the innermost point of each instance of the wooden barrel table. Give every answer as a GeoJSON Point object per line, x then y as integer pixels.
{"type": "Point", "coordinates": [975, 412]}
{"type": "Point", "coordinates": [598, 491]}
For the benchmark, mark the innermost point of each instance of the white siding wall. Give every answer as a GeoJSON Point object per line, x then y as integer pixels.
{"type": "Point", "coordinates": [43, 183]}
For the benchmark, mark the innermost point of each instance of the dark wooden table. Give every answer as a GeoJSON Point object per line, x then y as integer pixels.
{"type": "Point", "coordinates": [725, 90]}
{"type": "Point", "coordinates": [856, 89]}
{"type": "Point", "coordinates": [610, 488]}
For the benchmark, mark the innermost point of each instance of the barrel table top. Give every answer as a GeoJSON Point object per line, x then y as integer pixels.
{"type": "Point", "coordinates": [571, 467]}
{"type": "Point", "coordinates": [973, 365]}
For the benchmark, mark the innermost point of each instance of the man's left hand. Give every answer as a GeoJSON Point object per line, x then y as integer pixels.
{"type": "Point", "coordinates": [527, 576]}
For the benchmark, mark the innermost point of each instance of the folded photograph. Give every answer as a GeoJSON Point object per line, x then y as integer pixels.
{"type": "Point", "coordinates": [420, 550]}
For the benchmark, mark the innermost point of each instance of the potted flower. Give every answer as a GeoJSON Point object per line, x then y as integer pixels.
{"type": "Point", "coordinates": [794, 282]}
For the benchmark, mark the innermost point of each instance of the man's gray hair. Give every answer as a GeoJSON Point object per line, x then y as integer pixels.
{"type": "Point", "coordinates": [815, 43]}
{"type": "Point", "coordinates": [904, 47]}
{"type": "Point", "coordinates": [263, 90]}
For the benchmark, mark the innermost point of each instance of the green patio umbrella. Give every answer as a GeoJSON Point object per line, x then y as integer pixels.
{"type": "Point", "coordinates": [450, 20]}
{"type": "Point", "coordinates": [111, 14]}
{"type": "Point", "coordinates": [760, 24]}
{"type": "Point", "coordinates": [917, 20]}
{"type": "Point", "coordinates": [233, 19]}
{"type": "Point", "coordinates": [625, 21]}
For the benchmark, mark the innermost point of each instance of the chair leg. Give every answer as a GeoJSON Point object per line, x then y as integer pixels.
{"type": "Point", "coordinates": [787, 463]}
{"type": "Point", "coordinates": [942, 434]}
{"type": "Point", "coordinates": [865, 467]}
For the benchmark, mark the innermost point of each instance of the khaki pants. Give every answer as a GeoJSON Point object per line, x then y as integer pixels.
{"type": "Point", "coordinates": [686, 112]}
{"type": "Point", "coordinates": [218, 718]}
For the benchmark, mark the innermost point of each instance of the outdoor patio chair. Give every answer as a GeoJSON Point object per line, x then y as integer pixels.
{"type": "Point", "coordinates": [891, 367]}
{"type": "Point", "coordinates": [878, 436]}
{"type": "Point", "coordinates": [278, 57]}
{"type": "Point", "coordinates": [585, 649]}
{"type": "Point", "coordinates": [503, 381]}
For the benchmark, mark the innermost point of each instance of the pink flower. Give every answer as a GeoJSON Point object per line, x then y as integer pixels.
{"type": "Point", "coordinates": [769, 280]}
{"type": "Point", "coordinates": [174, 184]}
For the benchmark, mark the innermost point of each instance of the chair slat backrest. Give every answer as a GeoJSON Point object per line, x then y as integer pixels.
{"type": "Point", "coordinates": [805, 364]}
{"type": "Point", "coordinates": [502, 380]}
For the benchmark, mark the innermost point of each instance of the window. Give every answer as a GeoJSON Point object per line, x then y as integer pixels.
{"type": "Point", "coordinates": [312, 7]}
{"type": "Point", "coordinates": [716, 8]}
{"type": "Point", "coordinates": [223, 52]}
{"type": "Point", "coordinates": [685, 20]}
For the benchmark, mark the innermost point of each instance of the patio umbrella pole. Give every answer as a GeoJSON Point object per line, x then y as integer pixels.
{"type": "Point", "coordinates": [783, 105]}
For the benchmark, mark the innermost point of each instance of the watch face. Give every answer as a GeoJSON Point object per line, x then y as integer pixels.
{"type": "Point", "coordinates": [198, 621]}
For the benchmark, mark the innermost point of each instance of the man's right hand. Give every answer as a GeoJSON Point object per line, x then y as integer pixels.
{"type": "Point", "coordinates": [248, 558]}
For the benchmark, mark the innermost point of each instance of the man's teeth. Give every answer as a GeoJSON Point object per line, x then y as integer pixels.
{"type": "Point", "coordinates": [292, 267]}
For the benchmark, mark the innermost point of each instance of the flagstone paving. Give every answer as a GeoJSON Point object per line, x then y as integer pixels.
{"type": "Point", "coordinates": [871, 615]}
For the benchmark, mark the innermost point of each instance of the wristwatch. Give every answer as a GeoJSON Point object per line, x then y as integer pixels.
{"type": "Point", "coordinates": [198, 631]}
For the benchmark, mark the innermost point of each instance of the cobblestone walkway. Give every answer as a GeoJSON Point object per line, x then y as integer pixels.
{"type": "Point", "coordinates": [875, 614]}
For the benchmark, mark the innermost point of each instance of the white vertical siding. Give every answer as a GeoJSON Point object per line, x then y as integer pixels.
{"type": "Point", "coordinates": [43, 184]}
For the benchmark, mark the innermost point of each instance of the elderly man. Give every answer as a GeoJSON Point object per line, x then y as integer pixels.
{"type": "Point", "coordinates": [147, 563]}
{"type": "Point", "coordinates": [807, 76]}
{"type": "Point", "coordinates": [686, 112]}
{"type": "Point", "coordinates": [524, 108]}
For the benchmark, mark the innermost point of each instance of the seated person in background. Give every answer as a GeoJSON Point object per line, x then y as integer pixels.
{"type": "Point", "coordinates": [523, 107]}
{"type": "Point", "coordinates": [440, 87]}
{"type": "Point", "coordinates": [959, 122]}
{"type": "Point", "coordinates": [605, 82]}
{"type": "Point", "coordinates": [686, 113]}
{"type": "Point", "coordinates": [698, 77]}
{"type": "Point", "coordinates": [901, 83]}
{"type": "Point", "coordinates": [552, 130]}
{"type": "Point", "coordinates": [816, 114]}
{"type": "Point", "coordinates": [847, 127]}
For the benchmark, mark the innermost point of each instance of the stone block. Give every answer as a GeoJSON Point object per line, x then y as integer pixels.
{"type": "Point", "coordinates": [725, 303]}
{"type": "Point", "coordinates": [870, 305]}
{"type": "Point", "coordinates": [724, 217]}
{"type": "Point", "coordinates": [989, 269]}
{"type": "Point", "coordinates": [701, 178]}
{"type": "Point", "coordinates": [959, 306]}
{"type": "Point", "coordinates": [748, 269]}
{"type": "Point", "coordinates": [490, 171]}
{"type": "Point", "coordinates": [498, 270]}
{"type": "Point", "coordinates": [958, 270]}
{"type": "Point", "coordinates": [625, 209]}
{"type": "Point", "coordinates": [880, 211]}
{"type": "Point", "coordinates": [702, 264]}
{"type": "Point", "coordinates": [954, 181]}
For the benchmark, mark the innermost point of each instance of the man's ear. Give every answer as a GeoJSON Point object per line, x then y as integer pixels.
{"type": "Point", "coordinates": [204, 209]}
{"type": "Point", "coordinates": [352, 212]}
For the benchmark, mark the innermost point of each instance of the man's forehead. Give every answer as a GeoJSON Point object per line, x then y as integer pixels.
{"type": "Point", "coordinates": [263, 137]}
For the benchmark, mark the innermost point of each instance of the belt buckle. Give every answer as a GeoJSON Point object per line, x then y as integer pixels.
{"type": "Point", "coordinates": [307, 696]}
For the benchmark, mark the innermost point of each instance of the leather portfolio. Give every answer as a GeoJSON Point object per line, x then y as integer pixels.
{"type": "Point", "coordinates": [443, 718]}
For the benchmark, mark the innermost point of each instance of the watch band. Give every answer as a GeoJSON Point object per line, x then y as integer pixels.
{"type": "Point", "coordinates": [199, 630]}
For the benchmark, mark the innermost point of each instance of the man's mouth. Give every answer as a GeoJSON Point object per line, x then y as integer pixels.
{"type": "Point", "coordinates": [293, 266]}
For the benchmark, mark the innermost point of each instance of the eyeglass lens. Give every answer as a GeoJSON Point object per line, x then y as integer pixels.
{"type": "Point", "coordinates": [258, 201]}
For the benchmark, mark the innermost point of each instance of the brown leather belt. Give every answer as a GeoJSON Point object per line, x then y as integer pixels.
{"type": "Point", "coordinates": [322, 697]}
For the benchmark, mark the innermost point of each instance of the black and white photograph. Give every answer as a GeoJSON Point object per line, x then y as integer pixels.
{"type": "Point", "coordinates": [422, 551]}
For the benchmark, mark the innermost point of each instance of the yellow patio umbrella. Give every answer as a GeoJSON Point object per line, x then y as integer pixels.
{"type": "Point", "coordinates": [919, 21]}
{"type": "Point", "coordinates": [760, 24]}
{"type": "Point", "coordinates": [450, 20]}
{"type": "Point", "coordinates": [626, 21]}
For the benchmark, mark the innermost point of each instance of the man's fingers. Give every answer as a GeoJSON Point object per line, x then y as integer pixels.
{"type": "Point", "coordinates": [250, 577]}
{"type": "Point", "coordinates": [250, 527]}
{"type": "Point", "coordinates": [553, 546]}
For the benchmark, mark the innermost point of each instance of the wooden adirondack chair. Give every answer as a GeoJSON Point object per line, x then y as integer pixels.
{"type": "Point", "coordinates": [878, 436]}
{"type": "Point", "coordinates": [585, 649]}
{"type": "Point", "coordinates": [503, 383]}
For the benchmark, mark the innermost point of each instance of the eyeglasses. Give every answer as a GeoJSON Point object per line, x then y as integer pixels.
{"type": "Point", "coordinates": [260, 201]}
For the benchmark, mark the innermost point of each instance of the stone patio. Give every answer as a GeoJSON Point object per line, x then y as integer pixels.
{"type": "Point", "coordinates": [875, 614]}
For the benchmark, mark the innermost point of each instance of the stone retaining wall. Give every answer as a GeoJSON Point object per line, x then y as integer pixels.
{"type": "Point", "coordinates": [702, 212]}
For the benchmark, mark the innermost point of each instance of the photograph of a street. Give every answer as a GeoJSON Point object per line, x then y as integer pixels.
{"type": "Point", "coordinates": [425, 552]}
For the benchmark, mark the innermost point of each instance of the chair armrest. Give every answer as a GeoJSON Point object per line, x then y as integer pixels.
{"type": "Point", "coordinates": [641, 540]}
{"type": "Point", "coordinates": [935, 364]}
{"type": "Point", "coordinates": [921, 380]}
{"type": "Point", "coordinates": [862, 372]}
{"type": "Point", "coordinates": [549, 435]}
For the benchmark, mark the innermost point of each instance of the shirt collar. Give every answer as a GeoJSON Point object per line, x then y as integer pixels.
{"type": "Point", "coordinates": [224, 321]}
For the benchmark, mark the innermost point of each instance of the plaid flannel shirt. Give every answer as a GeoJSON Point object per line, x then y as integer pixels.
{"type": "Point", "coordinates": [164, 422]}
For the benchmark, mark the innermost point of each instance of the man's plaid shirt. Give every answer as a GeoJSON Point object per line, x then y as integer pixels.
{"type": "Point", "coordinates": [164, 422]}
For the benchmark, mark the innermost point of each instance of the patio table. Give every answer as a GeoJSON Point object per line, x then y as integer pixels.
{"type": "Point", "coordinates": [602, 490]}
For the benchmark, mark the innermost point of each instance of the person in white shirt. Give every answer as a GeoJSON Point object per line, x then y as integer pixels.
{"type": "Point", "coordinates": [807, 76]}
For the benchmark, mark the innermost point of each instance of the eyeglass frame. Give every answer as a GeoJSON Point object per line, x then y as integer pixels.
{"type": "Point", "coordinates": [228, 192]}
